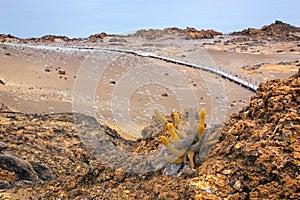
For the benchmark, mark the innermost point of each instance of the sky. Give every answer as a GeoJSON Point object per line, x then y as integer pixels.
{"type": "Point", "coordinates": [81, 18]}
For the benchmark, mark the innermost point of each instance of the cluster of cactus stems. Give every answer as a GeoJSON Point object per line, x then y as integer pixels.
{"type": "Point", "coordinates": [183, 144]}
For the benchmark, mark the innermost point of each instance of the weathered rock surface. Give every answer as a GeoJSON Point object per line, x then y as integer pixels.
{"type": "Point", "coordinates": [190, 33]}
{"type": "Point", "coordinates": [258, 155]}
{"type": "Point", "coordinates": [201, 34]}
{"type": "Point", "coordinates": [278, 31]}
{"type": "Point", "coordinates": [22, 168]}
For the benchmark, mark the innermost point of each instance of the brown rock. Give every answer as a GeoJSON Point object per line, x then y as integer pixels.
{"type": "Point", "coordinates": [4, 184]}
{"type": "Point", "coordinates": [173, 31]}
{"type": "Point", "coordinates": [42, 170]}
{"type": "Point", "coordinates": [4, 108]}
{"type": "Point", "coordinates": [275, 31]}
{"type": "Point", "coordinates": [7, 176]}
{"type": "Point", "coordinates": [22, 168]}
{"type": "Point", "coordinates": [62, 72]}
{"type": "Point", "coordinates": [3, 146]}
{"type": "Point", "coordinates": [98, 36]}
{"type": "Point", "coordinates": [202, 34]}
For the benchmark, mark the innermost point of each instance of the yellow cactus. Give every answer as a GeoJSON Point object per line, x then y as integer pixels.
{"type": "Point", "coordinates": [174, 159]}
{"type": "Point", "coordinates": [172, 132]}
{"type": "Point", "coordinates": [184, 144]}
{"type": "Point", "coordinates": [171, 149]}
{"type": "Point", "coordinates": [180, 134]}
{"type": "Point", "coordinates": [178, 161]}
{"type": "Point", "coordinates": [177, 120]}
{"type": "Point", "coordinates": [201, 125]}
{"type": "Point", "coordinates": [164, 140]}
{"type": "Point", "coordinates": [202, 115]}
{"type": "Point", "coordinates": [191, 158]}
{"type": "Point", "coordinates": [200, 129]}
{"type": "Point", "coordinates": [159, 116]}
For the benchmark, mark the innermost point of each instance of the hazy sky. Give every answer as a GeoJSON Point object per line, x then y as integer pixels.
{"type": "Point", "coordinates": [81, 18]}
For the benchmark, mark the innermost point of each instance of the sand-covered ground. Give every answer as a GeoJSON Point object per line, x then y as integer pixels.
{"type": "Point", "coordinates": [30, 70]}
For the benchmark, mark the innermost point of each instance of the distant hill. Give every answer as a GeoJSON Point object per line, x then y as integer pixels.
{"type": "Point", "coordinates": [277, 30]}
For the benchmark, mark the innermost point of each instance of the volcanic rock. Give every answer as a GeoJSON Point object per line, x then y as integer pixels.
{"type": "Point", "coordinates": [62, 72]}
{"type": "Point", "coordinates": [275, 31]}
{"type": "Point", "coordinates": [188, 32]}
{"type": "Point", "coordinates": [98, 36]}
{"type": "Point", "coordinates": [201, 34]}
{"type": "Point", "coordinates": [259, 146]}
{"type": "Point", "coordinates": [22, 168]}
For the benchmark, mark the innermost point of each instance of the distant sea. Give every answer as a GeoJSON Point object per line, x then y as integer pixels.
{"type": "Point", "coordinates": [81, 18]}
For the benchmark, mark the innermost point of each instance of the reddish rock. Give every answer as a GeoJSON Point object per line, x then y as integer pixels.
{"type": "Point", "coordinates": [201, 34]}
{"type": "Point", "coordinates": [62, 72]}
{"type": "Point", "coordinates": [98, 36]}
{"type": "Point", "coordinates": [49, 38]}
{"type": "Point", "coordinates": [276, 31]}
{"type": "Point", "coordinates": [189, 32]}
{"type": "Point", "coordinates": [8, 38]}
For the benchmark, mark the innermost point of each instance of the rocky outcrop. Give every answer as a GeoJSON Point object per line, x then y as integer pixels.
{"type": "Point", "coordinates": [200, 34]}
{"type": "Point", "coordinates": [49, 39]}
{"type": "Point", "coordinates": [190, 33]}
{"type": "Point", "coordinates": [97, 37]}
{"type": "Point", "coordinates": [20, 172]}
{"type": "Point", "coordinates": [275, 31]}
{"type": "Point", "coordinates": [156, 33]}
{"type": "Point", "coordinates": [258, 153]}
{"type": "Point", "coordinates": [8, 38]}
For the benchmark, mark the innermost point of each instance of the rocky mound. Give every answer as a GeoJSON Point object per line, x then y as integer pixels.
{"type": "Point", "coordinates": [57, 39]}
{"type": "Point", "coordinates": [257, 156]}
{"type": "Point", "coordinates": [200, 34]}
{"type": "Point", "coordinates": [189, 33]}
{"type": "Point", "coordinates": [96, 37]}
{"type": "Point", "coordinates": [8, 38]}
{"type": "Point", "coordinates": [49, 38]}
{"type": "Point", "coordinates": [155, 33]}
{"type": "Point", "coordinates": [278, 31]}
